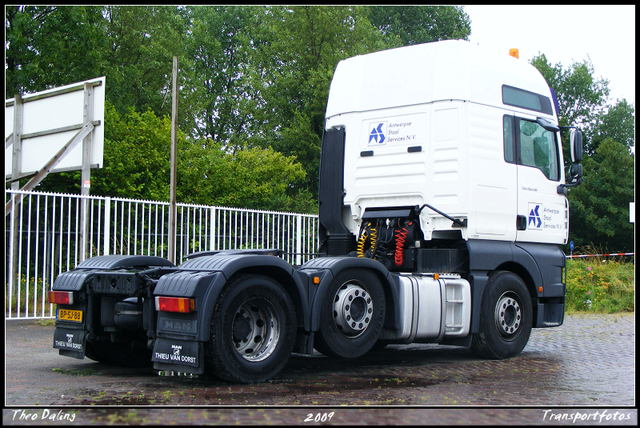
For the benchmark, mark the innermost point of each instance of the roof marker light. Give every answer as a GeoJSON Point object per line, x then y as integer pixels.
{"type": "Point", "coordinates": [514, 53]}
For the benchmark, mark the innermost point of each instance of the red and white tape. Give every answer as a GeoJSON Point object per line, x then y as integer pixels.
{"type": "Point", "coordinates": [601, 255]}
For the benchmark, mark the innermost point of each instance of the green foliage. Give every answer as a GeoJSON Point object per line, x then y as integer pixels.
{"type": "Point", "coordinates": [49, 46]}
{"type": "Point", "coordinates": [580, 95]}
{"type": "Point", "coordinates": [600, 205]}
{"type": "Point", "coordinates": [410, 25]}
{"type": "Point", "coordinates": [136, 156]}
{"type": "Point", "coordinates": [600, 286]}
{"type": "Point", "coordinates": [617, 123]}
{"type": "Point", "coordinates": [142, 41]}
{"type": "Point", "coordinates": [249, 178]}
{"type": "Point", "coordinates": [220, 100]}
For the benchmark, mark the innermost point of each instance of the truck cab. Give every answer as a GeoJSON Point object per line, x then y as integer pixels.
{"type": "Point", "coordinates": [448, 125]}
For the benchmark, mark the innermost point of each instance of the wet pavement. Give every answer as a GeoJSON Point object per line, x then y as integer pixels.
{"type": "Point", "coordinates": [565, 375]}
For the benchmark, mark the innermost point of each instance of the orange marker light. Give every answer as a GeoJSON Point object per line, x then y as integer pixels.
{"type": "Point", "coordinates": [540, 289]}
{"type": "Point", "coordinates": [514, 53]}
{"type": "Point", "coordinates": [316, 280]}
{"type": "Point", "coordinates": [61, 297]}
{"type": "Point", "coordinates": [175, 304]}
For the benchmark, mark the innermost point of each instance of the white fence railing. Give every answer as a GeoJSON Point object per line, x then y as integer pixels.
{"type": "Point", "coordinates": [44, 237]}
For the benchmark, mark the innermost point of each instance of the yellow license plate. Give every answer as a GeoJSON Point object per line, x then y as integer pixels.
{"type": "Point", "coordinates": [69, 315]}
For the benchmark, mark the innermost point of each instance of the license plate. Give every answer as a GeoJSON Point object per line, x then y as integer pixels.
{"type": "Point", "coordinates": [69, 315]}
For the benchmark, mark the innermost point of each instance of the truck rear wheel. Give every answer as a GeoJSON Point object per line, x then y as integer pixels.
{"type": "Point", "coordinates": [352, 314]}
{"type": "Point", "coordinates": [506, 318]}
{"type": "Point", "coordinates": [253, 330]}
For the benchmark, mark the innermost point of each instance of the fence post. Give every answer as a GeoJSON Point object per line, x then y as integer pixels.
{"type": "Point", "coordinates": [299, 233]}
{"type": "Point", "coordinates": [212, 229]}
{"type": "Point", "coordinates": [13, 264]}
{"type": "Point", "coordinates": [15, 198]}
{"type": "Point", "coordinates": [107, 226]}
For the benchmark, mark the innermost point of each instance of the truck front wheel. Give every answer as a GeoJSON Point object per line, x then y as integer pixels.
{"type": "Point", "coordinates": [352, 314]}
{"type": "Point", "coordinates": [506, 317]}
{"type": "Point", "coordinates": [253, 330]}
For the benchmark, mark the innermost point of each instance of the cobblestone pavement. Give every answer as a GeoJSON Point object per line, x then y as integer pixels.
{"type": "Point", "coordinates": [565, 375]}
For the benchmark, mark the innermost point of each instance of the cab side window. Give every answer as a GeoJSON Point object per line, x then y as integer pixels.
{"type": "Point", "coordinates": [508, 138]}
{"type": "Point", "coordinates": [538, 148]}
{"type": "Point", "coordinates": [529, 144]}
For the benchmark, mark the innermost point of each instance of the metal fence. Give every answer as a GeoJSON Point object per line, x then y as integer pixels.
{"type": "Point", "coordinates": [44, 237]}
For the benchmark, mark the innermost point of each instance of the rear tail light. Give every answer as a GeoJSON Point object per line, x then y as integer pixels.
{"type": "Point", "coordinates": [175, 304]}
{"type": "Point", "coordinates": [61, 297]}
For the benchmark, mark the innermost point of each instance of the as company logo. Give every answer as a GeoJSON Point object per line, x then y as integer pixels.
{"type": "Point", "coordinates": [535, 218]}
{"type": "Point", "coordinates": [377, 134]}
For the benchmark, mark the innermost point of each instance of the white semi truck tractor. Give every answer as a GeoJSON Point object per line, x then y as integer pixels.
{"type": "Point", "coordinates": [442, 209]}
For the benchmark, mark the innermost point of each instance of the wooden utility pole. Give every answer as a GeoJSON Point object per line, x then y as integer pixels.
{"type": "Point", "coordinates": [174, 169]}
{"type": "Point", "coordinates": [85, 185]}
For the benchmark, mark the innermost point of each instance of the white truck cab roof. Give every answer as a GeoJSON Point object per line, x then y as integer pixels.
{"type": "Point", "coordinates": [444, 70]}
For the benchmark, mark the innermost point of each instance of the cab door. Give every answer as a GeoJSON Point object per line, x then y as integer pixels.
{"type": "Point", "coordinates": [542, 211]}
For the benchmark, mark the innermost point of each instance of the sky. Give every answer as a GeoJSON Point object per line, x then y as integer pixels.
{"type": "Point", "coordinates": [605, 35]}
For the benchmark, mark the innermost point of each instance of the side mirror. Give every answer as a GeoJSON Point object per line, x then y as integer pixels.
{"type": "Point", "coordinates": [575, 172]}
{"type": "Point", "coordinates": [575, 145]}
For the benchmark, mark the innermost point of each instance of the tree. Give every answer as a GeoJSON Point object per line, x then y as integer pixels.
{"type": "Point", "coordinates": [49, 46]}
{"type": "Point", "coordinates": [133, 46]}
{"type": "Point", "coordinates": [581, 97]}
{"type": "Point", "coordinates": [219, 100]}
{"type": "Point", "coordinates": [142, 41]}
{"type": "Point", "coordinates": [617, 123]}
{"type": "Point", "coordinates": [600, 205]}
{"type": "Point", "coordinates": [410, 25]}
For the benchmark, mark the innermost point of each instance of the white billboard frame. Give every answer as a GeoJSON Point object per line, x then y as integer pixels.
{"type": "Point", "coordinates": [47, 122]}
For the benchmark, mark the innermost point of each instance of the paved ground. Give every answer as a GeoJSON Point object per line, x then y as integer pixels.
{"type": "Point", "coordinates": [575, 374]}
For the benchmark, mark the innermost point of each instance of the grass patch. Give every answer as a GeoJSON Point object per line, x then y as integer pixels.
{"type": "Point", "coordinates": [600, 285]}
{"type": "Point", "coordinates": [83, 372]}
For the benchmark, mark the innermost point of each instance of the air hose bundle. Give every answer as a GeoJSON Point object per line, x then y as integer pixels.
{"type": "Point", "coordinates": [401, 237]}
{"type": "Point", "coordinates": [382, 243]}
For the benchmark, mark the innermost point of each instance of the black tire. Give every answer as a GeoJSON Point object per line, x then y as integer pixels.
{"type": "Point", "coordinates": [253, 330]}
{"type": "Point", "coordinates": [119, 354]}
{"type": "Point", "coordinates": [352, 315]}
{"type": "Point", "coordinates": [506, 318]}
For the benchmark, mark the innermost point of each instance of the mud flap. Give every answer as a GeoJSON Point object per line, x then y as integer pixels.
{"type": "Point", "coordinates": [178, 355]}
{"type": "Point", "coordinates": [69, 342]}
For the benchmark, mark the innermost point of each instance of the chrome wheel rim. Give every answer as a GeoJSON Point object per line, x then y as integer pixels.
{"type": "Point", "coordinates": [508, 316]}
{"type": "Point", "coordinates": [352, 309]}
{"type": "Point", "coordinates": [256, 330]}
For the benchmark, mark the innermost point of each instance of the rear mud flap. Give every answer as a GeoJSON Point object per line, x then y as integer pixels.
{"type": "Point", "coordinates": [71, 343]}
{"type": "Point", "coordinates": [178, 355]}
